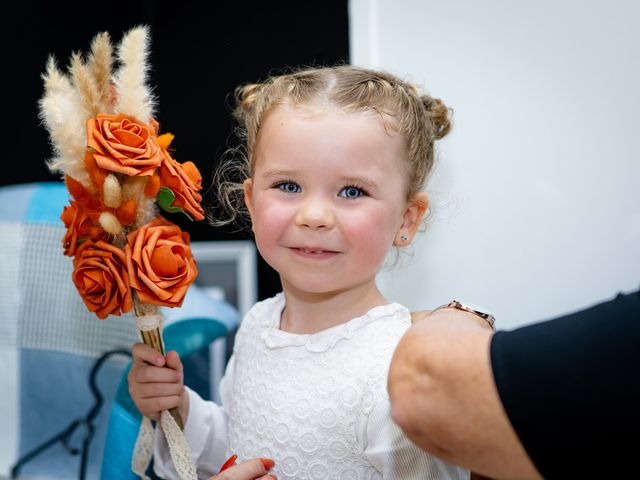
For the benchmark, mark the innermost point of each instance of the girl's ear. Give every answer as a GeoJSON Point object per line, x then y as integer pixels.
{"type": "Point", "coordinates": [248, 197]}
{"type": "Point", "coordinates": [412, 217]}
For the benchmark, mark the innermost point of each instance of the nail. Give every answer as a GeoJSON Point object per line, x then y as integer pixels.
{"type": "Point", "coordinates": [268, 463]}
{"type": "Point", "coordinates": [230, 461]}
{"type": "Point", "coordinates": [160, 360]}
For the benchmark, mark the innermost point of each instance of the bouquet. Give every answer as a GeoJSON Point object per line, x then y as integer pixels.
{"type": "Point", "coordinates": [120, 175]}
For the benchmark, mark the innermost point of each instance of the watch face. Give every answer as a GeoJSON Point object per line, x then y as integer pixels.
{"type": "Point", "coordinates": [471, 308]}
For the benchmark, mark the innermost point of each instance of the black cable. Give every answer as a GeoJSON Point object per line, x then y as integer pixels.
{"type": "Point", "coordinates": [86, 422]}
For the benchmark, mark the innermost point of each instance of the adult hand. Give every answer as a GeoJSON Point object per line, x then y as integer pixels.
{"type": "Point", "coordinates": [255, 469]}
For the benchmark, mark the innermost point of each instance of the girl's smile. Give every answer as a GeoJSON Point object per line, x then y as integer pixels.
{"type": "Point", "coordinates": [327, 197]}
{"type": "Point", "coordinates": [314, 252]}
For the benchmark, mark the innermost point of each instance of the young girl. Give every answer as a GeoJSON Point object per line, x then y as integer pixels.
{"type": "Point", "coordinates": [336, 159]}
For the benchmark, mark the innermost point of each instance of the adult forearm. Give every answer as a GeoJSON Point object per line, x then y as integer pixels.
{"type": "Point", "coordinates": [422, 376]}
{"type": "Point", "coordinates": [444, 397]}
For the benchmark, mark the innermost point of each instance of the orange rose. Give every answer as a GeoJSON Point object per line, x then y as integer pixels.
{"type": "Point", "coordinates": [185, 181]}
{"type": "Point", "coordinates": [123, 144]}
{"type": "Point", "coordinates": [159, 261]}
{"type": "Point", "coordinates": [79, 228]}
{"type": "Point", "coordinates": [100, 276]}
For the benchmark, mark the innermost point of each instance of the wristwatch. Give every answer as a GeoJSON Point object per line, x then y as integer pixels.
{"type": "Point", "coordinates": [467, 307]}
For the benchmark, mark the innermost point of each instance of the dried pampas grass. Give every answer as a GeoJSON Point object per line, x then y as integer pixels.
{"type": "Point", "coordinates": [91, 87]}
{"type": "Point", "coordinates": [132, 94]}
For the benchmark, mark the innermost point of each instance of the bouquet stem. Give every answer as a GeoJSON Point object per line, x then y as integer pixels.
{"type": "Point", "coordinates": [149, 325]}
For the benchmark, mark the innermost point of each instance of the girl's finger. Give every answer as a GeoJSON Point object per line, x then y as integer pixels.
{"type": "Point", "coordinates": [152, 390]}
{"type": "Point", "coordinates": [173, 361]}
{"type": "Point", "coordinates": [149, 374]}
{"type": "Point", "coordinates": [152, 407]}
{"type": "Point", "coordinates": [144, 353]}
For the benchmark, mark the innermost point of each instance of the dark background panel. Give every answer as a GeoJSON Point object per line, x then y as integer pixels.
{"type": "Point", "coordinates": [198, 57]}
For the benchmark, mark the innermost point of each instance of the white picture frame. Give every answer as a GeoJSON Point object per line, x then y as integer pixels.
{"type": "Point", "coordinates": [228, 268]}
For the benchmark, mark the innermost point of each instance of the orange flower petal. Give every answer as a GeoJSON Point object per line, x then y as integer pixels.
{"type": "Point", "coordinates": [165, 140]}
{"type": "Point", "coordinates": [126, 212]}
{"type": "Point", "coordinates": [164, 263]}
{"type": "Point", "coordinates": [76, 189]}
{"type": "Point", "coordinates": [96, 174]}
{"type": "Point", "coordinates": [192, 172]}
{"type": "Point", "coordinates": [152, 187]}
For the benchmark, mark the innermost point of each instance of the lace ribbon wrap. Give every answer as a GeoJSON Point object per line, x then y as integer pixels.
{"type": "Point", "coordinates": [149, 328]}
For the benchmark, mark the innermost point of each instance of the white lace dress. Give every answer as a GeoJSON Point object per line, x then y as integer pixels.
{"type": "Point", "coordinates": [316, 404]}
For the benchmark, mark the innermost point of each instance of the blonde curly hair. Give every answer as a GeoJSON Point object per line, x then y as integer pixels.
{"type": "Point", "coordinates": [419, 118]}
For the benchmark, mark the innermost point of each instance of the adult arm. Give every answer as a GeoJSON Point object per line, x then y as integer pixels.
{"type": "Point", "coordinates": [443, 396]}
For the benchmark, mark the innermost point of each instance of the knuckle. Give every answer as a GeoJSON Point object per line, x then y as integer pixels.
{"type": "Point", "coordinates": [156, 390]}
{"type": "Point", "coordinates": [146, 375]}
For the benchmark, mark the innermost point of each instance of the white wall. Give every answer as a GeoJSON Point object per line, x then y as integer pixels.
{"type": "Point", "coordinates": [536, 194]}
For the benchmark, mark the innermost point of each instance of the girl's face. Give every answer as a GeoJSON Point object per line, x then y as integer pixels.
{"type": "Point", "coordinates": [328, 198]}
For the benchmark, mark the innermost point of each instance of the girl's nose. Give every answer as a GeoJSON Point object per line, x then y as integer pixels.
{"type": "Point", "coordinates": [315, 213]}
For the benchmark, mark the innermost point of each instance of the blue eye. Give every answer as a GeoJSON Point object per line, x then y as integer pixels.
{"type": "Point", "coordinates": [351, 192]}
{"type": "Point", "coordinates": [289, 187]}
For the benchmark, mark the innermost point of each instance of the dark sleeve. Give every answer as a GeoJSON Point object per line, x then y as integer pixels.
{"type": "Point", "coordinates": [571, 389]}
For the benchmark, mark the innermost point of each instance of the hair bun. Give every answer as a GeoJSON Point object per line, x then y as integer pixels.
{"type": "Point", "coordinates": [439, 113]}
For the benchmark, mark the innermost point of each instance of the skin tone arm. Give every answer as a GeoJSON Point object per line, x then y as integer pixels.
{"type": "Point", "coordinates": [442, 366]}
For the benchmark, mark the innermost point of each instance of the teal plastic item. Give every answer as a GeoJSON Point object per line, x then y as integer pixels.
{"type": "Point", "coordinates": [189, 336]}
{"type": "Point", "coordinates": [185, 337]}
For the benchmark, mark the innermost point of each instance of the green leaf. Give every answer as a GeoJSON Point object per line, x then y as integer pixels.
{"type": "Point", "coordinates": [165, 198]}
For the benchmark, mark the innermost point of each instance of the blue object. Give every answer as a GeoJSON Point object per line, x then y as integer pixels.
{"type": "Point", "coordinates": [46, 201]}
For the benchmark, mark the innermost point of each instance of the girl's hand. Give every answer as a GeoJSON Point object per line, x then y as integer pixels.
{"type": "Point", "coordinates": [255, 469]}
{"type": "Point", "coordinates": [152, 386]}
